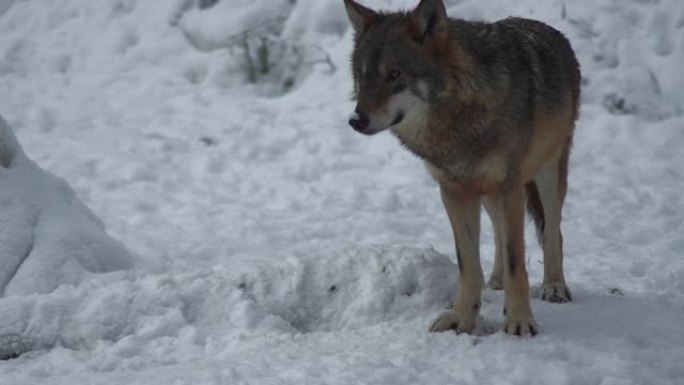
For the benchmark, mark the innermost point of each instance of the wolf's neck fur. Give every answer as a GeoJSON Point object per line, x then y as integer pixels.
{"type": "Point", "coordinates": [459, 125]}
{"type": "Point", "coordinates": [450, 134]}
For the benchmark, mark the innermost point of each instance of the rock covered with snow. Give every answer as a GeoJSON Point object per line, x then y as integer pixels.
{"type": "Point", "coordinates": [47, 236]}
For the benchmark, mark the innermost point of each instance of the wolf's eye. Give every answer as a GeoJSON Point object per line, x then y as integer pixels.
{"type": "Point", "coordinates": [394, 74]}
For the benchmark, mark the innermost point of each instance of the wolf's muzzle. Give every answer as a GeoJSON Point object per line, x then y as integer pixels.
{"type": "Point", "coordinates": [359, 122]}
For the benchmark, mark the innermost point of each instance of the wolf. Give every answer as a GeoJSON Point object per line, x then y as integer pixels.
{"type": "Point", "coordinates": [490, 108]}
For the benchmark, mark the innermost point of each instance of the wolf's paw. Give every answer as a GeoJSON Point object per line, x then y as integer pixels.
{"type": "Point", "coordinates": [556, 293]}
{"type": "Point", "coordinates": [520, 325]}
{"type": "Point", "coordinates": [458, 321]}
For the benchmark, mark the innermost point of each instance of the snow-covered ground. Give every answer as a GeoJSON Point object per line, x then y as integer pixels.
{"type": "Point", "coordinates": [273, 245]}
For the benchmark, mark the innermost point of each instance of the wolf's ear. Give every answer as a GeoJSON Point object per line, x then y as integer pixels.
{"type": "Point", "coordinates": [431, 19]}
{"type": "Point", "coordinates": [359, 16]}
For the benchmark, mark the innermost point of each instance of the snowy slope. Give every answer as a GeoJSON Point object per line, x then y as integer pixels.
{"type": "Point", "coordinates": [275, 246]}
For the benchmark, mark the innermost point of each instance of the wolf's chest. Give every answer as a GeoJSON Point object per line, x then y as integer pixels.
{"type": "Point", "coordinates": [478, 177]}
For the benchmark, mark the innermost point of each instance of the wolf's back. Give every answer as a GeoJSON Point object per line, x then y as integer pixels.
{"type": "Point", "coordinates": [547, 52]}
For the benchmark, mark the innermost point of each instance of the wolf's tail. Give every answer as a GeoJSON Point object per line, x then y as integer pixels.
{"type": "Point", "coordinates": [535, 207]}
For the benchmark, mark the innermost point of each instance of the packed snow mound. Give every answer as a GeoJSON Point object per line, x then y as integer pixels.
{"type": "Point", "coordinates": [331, 291]}
{"type": "Point", "coordinates": [47, 236]}
{"type": "Point", "coordinates": [336, 290]}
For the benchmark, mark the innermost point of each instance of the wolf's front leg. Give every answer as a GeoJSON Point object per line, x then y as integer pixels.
{"type": "Point", "coordinates": [519, 319]}
{"type": "Point", "coordinates": [464, 215]}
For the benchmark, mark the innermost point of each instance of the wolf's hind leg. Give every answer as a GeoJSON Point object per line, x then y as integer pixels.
{"type": "Point", "coordinates": [496, 277]}
{"type": "Point", "coordinates": [551, 184]}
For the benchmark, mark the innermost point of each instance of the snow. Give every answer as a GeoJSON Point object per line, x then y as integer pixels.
{"type": "Point", "coordinates": [48, 237]}
{"type": "Point", "coordinates": [271, 244]}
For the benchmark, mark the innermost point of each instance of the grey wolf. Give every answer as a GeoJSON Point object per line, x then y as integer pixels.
{"type": "Point", "coordinates": [491, 110]}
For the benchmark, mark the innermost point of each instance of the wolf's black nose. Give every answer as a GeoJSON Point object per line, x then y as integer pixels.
{"type": "Point", "coordinates": [359, 122]}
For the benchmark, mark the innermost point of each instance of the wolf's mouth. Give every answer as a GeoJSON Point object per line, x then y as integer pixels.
{"type": "Point", "coordinates": [398, 118]}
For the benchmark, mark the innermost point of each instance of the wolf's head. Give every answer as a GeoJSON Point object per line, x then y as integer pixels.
{"type": "Point", "coordinates": [395, 65]}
